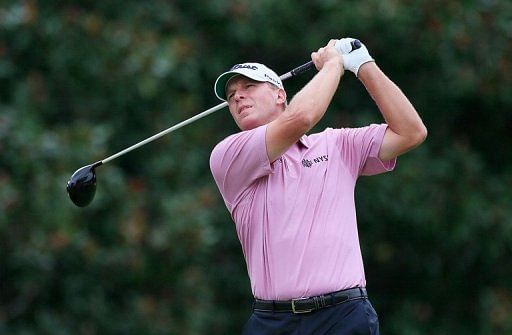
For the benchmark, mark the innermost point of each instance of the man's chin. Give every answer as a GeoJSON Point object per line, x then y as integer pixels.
{"type": "Point", "coordinates": [246, 124]}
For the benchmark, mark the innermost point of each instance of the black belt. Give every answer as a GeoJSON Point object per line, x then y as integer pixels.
{"type": "Point", "coordinates": [305, 305]}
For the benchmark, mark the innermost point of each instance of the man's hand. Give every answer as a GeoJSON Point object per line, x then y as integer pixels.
{"type": "Point", "coordinates": [353, 59]}
{"type": "Point", "coordinates": [327, 54]}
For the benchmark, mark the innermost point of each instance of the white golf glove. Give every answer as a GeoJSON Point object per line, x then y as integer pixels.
{"type": "Point", "coordinates": [353, 59]}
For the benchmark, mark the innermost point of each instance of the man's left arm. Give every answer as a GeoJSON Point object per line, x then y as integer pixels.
{"type": "Point", "coordinates": [405, 127]}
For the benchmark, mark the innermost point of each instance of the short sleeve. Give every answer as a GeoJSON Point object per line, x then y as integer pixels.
{"type": "Point", "coordinates": [360, 149]}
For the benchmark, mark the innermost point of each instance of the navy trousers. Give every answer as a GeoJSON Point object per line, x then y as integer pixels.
{"type": "Point", "coordinates": [355, 317]}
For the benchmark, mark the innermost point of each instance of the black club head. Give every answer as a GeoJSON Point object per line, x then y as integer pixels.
{"type": "Point", "coordinates": [81, 186]}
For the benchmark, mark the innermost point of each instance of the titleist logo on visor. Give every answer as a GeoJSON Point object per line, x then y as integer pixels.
{"type": "Point", "coordinates": [260, 72]}
{"type": "Point", "coordinates": [244, 66]}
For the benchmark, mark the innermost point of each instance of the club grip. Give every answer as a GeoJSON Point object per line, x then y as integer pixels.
{"type": "Point", "coordinates": [342, 46]}
{"type": "Point", "coordinates": [355, 44]}
{"type": "Point", "coordinates": [303, 68]}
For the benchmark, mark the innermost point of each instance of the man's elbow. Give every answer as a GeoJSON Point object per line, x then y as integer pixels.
{"type": "Point", "coordinates": [299, 120]}
{"type": "Point", "coordinates": [396, 144]}
{"type": "Point", "coordinates": [419, 136]}
{"type": "Point", "coordinates": [422, 133]}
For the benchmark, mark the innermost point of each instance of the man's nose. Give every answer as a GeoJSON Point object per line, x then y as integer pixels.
{"type": "Point", "coordinates": [239, 95]}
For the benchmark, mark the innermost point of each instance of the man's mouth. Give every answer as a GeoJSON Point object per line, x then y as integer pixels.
{"type": "Point", "coordinates": [242, 108]}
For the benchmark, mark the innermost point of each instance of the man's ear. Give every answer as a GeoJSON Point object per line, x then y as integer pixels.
{"type": "Point", "coordinates": [281, 96]}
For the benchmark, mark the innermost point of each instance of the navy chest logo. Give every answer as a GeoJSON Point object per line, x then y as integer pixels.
{"type": "Point", "coordinates": [309, 163]}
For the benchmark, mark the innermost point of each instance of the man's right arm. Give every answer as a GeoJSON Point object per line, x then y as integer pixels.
{"type": "Point", "coordinates": [309, 105]}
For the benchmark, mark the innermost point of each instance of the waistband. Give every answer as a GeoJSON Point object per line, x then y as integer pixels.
{"type": "Point", "coordinates": [306, 305]}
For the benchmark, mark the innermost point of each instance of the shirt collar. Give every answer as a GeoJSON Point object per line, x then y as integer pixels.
{"type": "Point", "coordinates": [305, 141]}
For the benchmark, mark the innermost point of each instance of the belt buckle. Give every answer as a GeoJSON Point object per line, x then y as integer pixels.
{"type": "Point", "coordinates": [295, 311]}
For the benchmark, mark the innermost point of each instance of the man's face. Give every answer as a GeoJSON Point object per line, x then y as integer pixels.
{"type": "Point", "coordinates": [253, 103]}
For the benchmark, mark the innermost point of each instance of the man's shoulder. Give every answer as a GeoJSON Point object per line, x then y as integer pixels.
{"type": "Point", "coordinates": [236, 137]}
{"type": "Point", "coordinates": [346, 135]}
{"type": "Point", "coordinates": [322, 135]}
{"type": "Point", "coordinates": [347, 131]}
{"type": "Point", "coordinates": [227, 139]}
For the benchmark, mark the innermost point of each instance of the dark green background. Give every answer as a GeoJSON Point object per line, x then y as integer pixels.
{"type": "Point", "coordinates": [156, 252]}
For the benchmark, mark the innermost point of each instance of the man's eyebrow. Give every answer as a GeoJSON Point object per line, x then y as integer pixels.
{"type": "Point", "coordinates": [229, 89]}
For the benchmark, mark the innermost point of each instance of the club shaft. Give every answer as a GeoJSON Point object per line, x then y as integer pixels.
{"type": "Point", "coordinates": [166, 131]}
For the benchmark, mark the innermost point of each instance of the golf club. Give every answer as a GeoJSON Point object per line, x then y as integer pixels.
{"type": "Point", "coordinates": [81, 187]}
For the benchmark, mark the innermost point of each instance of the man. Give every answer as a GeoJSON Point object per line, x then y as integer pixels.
{"type": "Point", "coordinates": [291, 195]}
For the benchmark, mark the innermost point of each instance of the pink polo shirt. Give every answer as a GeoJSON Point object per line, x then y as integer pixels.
{"type": "Point", "coordinates": [296, 217]}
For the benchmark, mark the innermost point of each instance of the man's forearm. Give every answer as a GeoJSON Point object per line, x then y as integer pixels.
{"type": "Point", "coordinates": [308, 106]}
{"type": "Point", "coordinates": [315, 97]}
{"type": "Point", "coordinates": [397, 110]}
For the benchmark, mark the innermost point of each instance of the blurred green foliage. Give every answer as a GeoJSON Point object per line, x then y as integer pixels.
{"type": "Point", "coordinates": [156, 252]}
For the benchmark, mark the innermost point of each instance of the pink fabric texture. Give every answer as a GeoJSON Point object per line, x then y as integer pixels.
{"type": "Point", "coordinates": [296, 217]}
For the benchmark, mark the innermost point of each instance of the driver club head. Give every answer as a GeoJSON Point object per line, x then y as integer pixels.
{"type": "Point", "coordinates": [81, 186]}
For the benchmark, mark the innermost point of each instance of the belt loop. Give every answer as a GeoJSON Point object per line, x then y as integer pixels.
{"type": "Point", "coordinates": [322, 299]}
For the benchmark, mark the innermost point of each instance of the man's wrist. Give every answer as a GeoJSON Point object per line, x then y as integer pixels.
{"type": "Point", "coordinates": [366, 70]}
{"type": "Point", "coordinates": [334, 66]}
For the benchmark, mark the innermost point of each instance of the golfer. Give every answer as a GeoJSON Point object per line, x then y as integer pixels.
{"type": "Point", "coordinates": [291, 195]}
